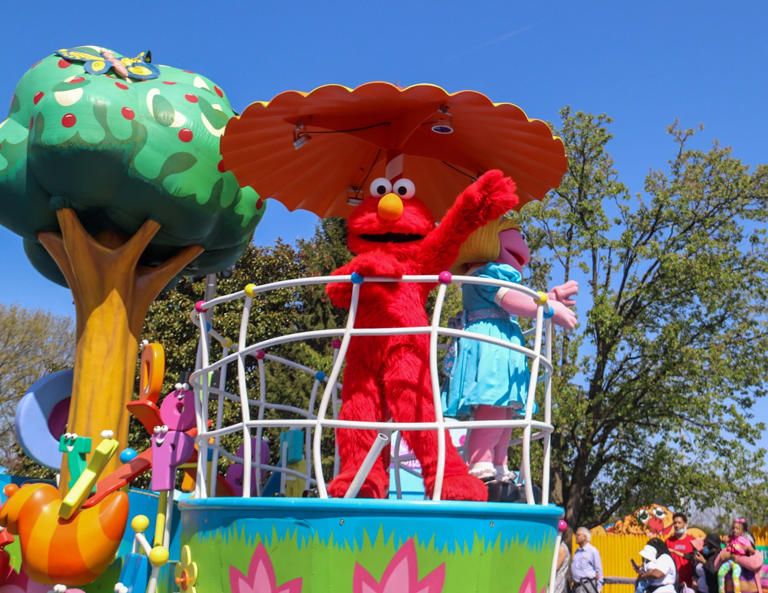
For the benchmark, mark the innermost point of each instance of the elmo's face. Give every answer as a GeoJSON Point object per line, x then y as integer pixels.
{"type": "Point", "coordinates": [390, 218]}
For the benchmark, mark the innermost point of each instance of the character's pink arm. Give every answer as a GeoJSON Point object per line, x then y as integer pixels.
{"type": "Point", "coordinates": [485, 200]}
{"type": "Point", "coordinates": [517, 303]}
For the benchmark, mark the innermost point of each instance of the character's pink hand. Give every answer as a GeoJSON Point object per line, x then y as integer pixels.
{"type": "Point", "coordinates": [563, 316]}
{"type": "Point", "coordinates": [563, 292]}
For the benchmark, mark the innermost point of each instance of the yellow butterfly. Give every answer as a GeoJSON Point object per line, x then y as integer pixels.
{"type": "Point", "coordinates": [138, 68]}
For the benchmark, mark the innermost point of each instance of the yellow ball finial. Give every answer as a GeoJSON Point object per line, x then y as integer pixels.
{"type": "Point", "coordinates": [140, 523]}
{"type": "Point", "coordinates": [158, 556]}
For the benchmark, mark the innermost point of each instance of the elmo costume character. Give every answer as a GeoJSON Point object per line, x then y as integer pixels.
{"type": "Point", "coordinates": [392, 234]}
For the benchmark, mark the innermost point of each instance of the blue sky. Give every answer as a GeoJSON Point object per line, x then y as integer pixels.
{"type": "Point", "coordinates": [642, 63]}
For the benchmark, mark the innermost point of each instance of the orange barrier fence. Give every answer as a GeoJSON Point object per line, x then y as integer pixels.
{"type": "Point", "coordinates": [760, 534]}
{"type": "Point", "coordinates": [615, 552]}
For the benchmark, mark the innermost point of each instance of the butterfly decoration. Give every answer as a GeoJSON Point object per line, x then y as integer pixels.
{"type": "Point", "coordinates": [138, 68]}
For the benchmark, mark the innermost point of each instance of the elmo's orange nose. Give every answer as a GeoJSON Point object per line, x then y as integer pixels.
{"type": "Point", "coordinates": [390, 207]}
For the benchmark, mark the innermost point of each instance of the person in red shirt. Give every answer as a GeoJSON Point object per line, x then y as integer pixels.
{"type": "Point", "coordinates": [680, 545]}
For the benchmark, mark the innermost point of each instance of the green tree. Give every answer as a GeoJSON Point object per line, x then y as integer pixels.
{"type": "Point", "coordinates": [116, 186]}
{"type": "Point", "coordinates": [33, 344]}
{"type": "Point", "coordinates": [658, 382]}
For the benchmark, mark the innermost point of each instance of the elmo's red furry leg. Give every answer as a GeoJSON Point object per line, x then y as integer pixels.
{"type": "Point", "coordinates": [409, 397]}
{"type": "Point", "coordinates": [361, 401]}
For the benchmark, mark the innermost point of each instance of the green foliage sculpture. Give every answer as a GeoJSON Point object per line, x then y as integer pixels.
{"type": "Point", "coordinates": [115, 185]}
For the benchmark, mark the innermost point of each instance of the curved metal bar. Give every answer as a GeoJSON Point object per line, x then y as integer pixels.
{"type": "Point", "coordinates": [540, 357]}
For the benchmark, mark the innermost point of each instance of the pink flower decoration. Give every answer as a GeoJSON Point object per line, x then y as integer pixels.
{"type": "Point", "coordinates": [21, 583]}
{"type": "Point", "coordinates": [260, 577]}
{"type": "Point", "coordinates": [400, 576]}
{"type": "Point", "coordinates": [529, 583]}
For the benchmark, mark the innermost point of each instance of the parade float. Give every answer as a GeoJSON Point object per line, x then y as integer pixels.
{"type": "Point", "coordinates": [121, 174]}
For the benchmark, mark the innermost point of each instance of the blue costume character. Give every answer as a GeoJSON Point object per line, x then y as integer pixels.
{"type": "Point", "coordinates": [489, 381]}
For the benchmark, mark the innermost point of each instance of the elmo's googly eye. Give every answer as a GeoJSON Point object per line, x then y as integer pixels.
{"type": "Point", "coordinates": [404, 188]}
{"type": "Point", "coordinates": [380, 187]}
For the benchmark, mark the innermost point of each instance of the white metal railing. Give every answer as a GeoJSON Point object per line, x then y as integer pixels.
{"type": "Point", "coordinates": [312, 422]}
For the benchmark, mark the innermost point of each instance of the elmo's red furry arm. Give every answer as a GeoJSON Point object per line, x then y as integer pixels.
{"type": "Point", "coordinates": [485, 200]}
{"type": "Point", "coordinates": [371, 263]}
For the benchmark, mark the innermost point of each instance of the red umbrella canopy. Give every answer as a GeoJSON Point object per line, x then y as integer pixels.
{"type": "Point", "coordinates": [320, 150]}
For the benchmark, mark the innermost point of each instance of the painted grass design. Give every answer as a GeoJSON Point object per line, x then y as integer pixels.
{"type": "Point", "coordinates": [483, 566]}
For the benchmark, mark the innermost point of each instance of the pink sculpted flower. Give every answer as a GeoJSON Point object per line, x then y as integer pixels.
{"type": "Point", "coordinates": [529, 583]}
{"type": "Point", "coordinates": [400, 576]}
{"type": "Point", "coordinates": [21, 583]}
{"type": "Point", "coordinates": [260, 577]}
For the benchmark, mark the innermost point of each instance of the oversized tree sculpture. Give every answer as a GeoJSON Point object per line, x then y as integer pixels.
{"type": "Point", "coordinates": [110, 171]}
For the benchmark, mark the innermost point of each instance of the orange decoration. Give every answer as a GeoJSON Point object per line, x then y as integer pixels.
{"type": "Point", "coordinates": [151, 374]}
{"type": "Point", "coordinates": [72, 552]}
{"type": "Point", "coordinates": [152, 371]}
{"type": "Point", "coordinates": [315, 150]}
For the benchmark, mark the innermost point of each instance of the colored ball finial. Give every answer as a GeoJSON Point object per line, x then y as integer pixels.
{"type": "Point", "coordinates": [158, 556]}
{"type": "Point", "coordinates": [140, 523]}
{"type": "Point", "coordinates": [127, 455]}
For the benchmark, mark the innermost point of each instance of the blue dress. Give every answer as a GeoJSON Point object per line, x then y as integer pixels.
{"type": "Point", "coordinates": [484, 373]}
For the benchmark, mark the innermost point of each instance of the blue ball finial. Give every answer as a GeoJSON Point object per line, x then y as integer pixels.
{"type": "Point", "coordinates": [127, 454]}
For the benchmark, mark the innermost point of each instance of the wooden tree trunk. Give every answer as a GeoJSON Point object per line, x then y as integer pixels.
{"type": "Point", "coordinates": [112, 294]}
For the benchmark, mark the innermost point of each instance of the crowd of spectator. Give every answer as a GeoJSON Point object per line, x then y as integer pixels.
{"type": "Point", "coordinates": [680, 564]}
